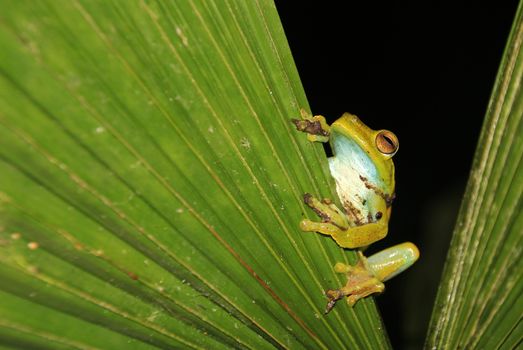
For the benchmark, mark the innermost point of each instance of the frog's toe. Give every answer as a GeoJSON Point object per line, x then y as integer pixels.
{"type": "Point", "coordinates": [364, 291]}
{"type": "Point", "coordinates": [342, 268]}
{"type": "Point", "coordinates": [321, 227]}
{"type": "Point", "coordinates": [361, 282]}
{"type": "Point", "coordinates": [327, 211]}
{"type": "Point", "coordinates": [333, 295]}
{"type": "Point", "coordinates": [311, 201]}
{"type": "Point", "coordinates": [352, 299]}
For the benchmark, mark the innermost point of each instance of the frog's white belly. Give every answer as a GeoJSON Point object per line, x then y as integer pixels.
{"type": "Point", "coordinates": [355, 196]}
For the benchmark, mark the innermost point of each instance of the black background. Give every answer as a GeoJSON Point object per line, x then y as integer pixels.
{"type": "Point", "coordinates": [424, 70]}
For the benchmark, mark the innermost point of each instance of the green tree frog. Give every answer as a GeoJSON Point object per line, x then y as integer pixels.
{"type": "Point", "coordinates": [363, 170]}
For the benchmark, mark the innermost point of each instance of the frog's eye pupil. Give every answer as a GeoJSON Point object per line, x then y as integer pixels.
{"type": "Point", "coordinates": [387, 142]}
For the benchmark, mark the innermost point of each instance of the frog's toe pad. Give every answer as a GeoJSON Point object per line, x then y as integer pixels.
{"type": "Point", "coordinates": [333, 295]}
{"type": "Point", "coordinates": [342, 268]}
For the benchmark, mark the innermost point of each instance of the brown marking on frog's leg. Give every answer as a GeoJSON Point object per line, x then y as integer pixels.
{"type": "Point", "coordinates": [353, 213]}
{"type": "Point", "coordinates": [312, 127]}
{"type": "Point", "coordinates": [327, 211]}
{"type": "Point", "coordinates": [388, 198]}
{"type": "Point", "coordinates": [327, 201]}
{"type": "Point", "coordinates": [375, 218]}
{"type": "Point", "coordinates": [333, 295]}
{"type": "Point", "coordinates": [310, 201]}
{"type": "Point", "coordinates": [316, 127]}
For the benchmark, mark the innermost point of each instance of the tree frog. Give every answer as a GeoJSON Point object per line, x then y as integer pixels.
{"type": "Point", "coordinates": [363, 170]}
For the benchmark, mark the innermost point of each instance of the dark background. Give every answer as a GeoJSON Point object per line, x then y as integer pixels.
{"type": "Point", "coordinates": [424, 70]}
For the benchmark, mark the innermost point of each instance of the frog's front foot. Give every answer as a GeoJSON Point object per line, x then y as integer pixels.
{"type": "Point", "coordinates": [316, 127]}
{"type": "Point", "coordinates": [334, 221]}
{"type": "Point", "coordinates": [361, 282]}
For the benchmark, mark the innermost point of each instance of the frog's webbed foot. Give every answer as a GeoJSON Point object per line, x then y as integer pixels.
{"type": "Point", "coordinates": [316, 127]}
{"type": "Point", "coordinates": [361, 282]}
{"type": "Point", "coordinates": [334, 221]}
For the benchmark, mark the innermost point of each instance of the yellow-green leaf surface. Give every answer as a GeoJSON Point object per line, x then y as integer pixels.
{"type": "Point", "coordinates": [151, 183]}
{"type": "Point", "coordinates": [480, 300]}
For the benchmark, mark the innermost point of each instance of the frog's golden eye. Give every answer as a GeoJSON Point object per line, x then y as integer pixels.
{"type": "Point", "coordinates": [387, 142]}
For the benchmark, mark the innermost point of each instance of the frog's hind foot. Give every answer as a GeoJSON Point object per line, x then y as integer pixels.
{"type": "Point", "coordinates": [361, 282]}
{"type": "Point", "coordinates": [333, 221]}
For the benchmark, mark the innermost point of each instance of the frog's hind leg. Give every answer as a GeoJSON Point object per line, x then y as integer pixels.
{"type": "Point", "coordinates": [333, 222]}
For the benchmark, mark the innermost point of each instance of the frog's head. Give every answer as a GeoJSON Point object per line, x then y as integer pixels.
{"type": "Point", "coordinates": [372, 149]}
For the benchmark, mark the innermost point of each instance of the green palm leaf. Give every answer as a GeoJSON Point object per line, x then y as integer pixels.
{"type": "Point", "coordinates": [479, 303]}
{"type": "Point", "coordinates": [151, 182]}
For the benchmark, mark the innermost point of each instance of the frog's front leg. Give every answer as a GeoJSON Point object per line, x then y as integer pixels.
{"type": "Point", "coordinates": [334, 220]}
{"type": "Point", "coordinates": [368, 275]}
{"type": "Point", "coordinates": [335, 224]}
{"type": "Point", "coordinates": [316, 127]}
